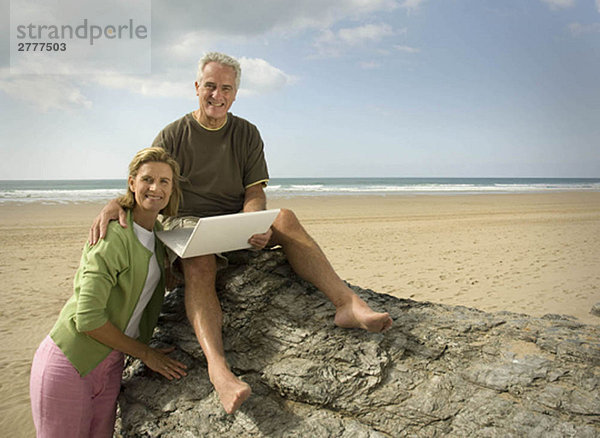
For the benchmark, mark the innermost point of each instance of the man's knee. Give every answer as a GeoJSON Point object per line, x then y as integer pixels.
{"type": "Point", "coordinates": [287, 228]}
{"type": "Point", "coordinates": [201, 267]}
{"type": "Point", "coordinates": [200, 275]}
{"type": "Point", "coordinates": [286, 221]}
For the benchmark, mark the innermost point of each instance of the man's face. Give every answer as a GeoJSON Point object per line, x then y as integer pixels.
{"type": "Point", "coordinates": [216, 93]}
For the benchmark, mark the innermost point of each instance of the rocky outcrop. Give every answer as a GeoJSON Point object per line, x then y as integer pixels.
{"type": "Point", "coordinates": [440, 371]}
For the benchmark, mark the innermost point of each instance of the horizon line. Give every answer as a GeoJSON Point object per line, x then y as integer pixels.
{"type": "Point", "coordinates": [334, 177]}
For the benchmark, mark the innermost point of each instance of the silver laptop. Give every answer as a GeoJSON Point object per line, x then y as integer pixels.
{"type": "Point", "coordinates": [216, 234]}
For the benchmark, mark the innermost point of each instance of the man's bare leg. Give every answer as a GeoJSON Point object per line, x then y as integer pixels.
{"type": "Point", "coordinates": [309, 262]}
{"type": "Point", "coordinates": [203, 309]}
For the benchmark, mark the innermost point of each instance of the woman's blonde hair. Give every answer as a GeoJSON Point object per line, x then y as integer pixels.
{"type": "Point", "coordinates": [149, 155]}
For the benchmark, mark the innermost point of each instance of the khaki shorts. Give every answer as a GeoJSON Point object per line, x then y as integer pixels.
{"type": "Point", "coordinates": [176, 223]}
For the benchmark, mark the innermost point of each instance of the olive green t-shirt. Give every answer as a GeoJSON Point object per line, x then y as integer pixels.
{"type": "Point", "coordinates": [217, 166]}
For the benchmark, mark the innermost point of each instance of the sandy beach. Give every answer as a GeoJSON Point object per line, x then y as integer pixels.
{"type": "Point", "coordinates": [526, 253]}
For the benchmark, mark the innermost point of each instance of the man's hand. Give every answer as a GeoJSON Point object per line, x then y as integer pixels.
{"type": "Point", "coordinates": [259, 241]}
{"type": "Point", "coordinates": [256, 200]}
{"type": "Point", "coordinates": [111, 211]}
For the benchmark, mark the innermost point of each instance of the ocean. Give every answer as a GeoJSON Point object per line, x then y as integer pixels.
{"type": "Point", "coordinates": [73, 191]}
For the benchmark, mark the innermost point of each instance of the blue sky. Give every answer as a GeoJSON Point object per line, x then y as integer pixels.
{"type": "Point", "coordinates": [455, 88]}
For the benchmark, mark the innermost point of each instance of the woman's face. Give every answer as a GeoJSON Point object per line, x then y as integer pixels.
{"type": "Point", "coordinates": [152, 186]}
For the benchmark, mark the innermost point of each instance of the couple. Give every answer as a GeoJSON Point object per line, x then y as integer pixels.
{"type": "Point", "coordinates": [223, 170]}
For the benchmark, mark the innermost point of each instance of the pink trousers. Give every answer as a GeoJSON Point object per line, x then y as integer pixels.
{"type": "Point", "coordinates": [64, 404]}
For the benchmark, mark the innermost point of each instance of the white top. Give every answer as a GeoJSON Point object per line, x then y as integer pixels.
{"type": "Point", "coordinates": [147, 239]}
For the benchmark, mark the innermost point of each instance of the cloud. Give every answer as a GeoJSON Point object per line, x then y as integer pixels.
{"type": "Point", "coordinates": [333, 43]}
{"type": "Point", "coordinates": [559, 4]}
{"type": "Point", "coordinates": [176, 25]}
{"type": "Point", "coordinates": [183, 30]}
{"type": "Point", "coordinates": [66, 91]}
{"type": "Point", "coordinates": [53, 92]}
{"type": "Point", "coordinates": [149, 86]}
{"type": "Point", "coordinates": [258, 76]}
{"type": "Point", "coordinates": [232, 17]}
{"type": "Point", "coordinates": [578, 29]}
{"type": "Point", "coordinates": [412, 5]}
{"type": "Point", "coordinates": [598, 5]}
{"type": "Point", "coordinates": [370, 65]}
{"type": "Point", "coordinates": [407, 49]}
{"type": "Point", "coordinates": [369, 32]}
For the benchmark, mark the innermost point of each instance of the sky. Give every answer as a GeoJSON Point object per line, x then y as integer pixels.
{"type": "Point", "coordinates": [354, 88]}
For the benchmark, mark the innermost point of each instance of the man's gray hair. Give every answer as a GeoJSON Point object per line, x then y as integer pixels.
{"type": "Point", "coordinates": [222, 59]}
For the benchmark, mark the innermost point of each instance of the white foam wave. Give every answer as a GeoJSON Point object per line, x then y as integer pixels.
{"type": "Point", "coordinates": [63, 196]}
{"type": "Point", "coordinates": [427, 188]}
{"type": "Point", "coordinates": [58, 196]}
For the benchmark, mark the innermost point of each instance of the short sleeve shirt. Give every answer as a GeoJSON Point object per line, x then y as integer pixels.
{"type": "Point", "coordinates": [217, 166]}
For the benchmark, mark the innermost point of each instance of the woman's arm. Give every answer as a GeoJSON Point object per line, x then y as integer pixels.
{"type": "Point", "coordinates": [154, 358]}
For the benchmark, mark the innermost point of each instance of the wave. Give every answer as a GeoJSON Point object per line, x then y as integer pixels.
{"type": "Point", "coordinates": [58, 196]}
{"type": "Point", "coordinates": [426, 188]}
{"type": "Point", "coordinates": [62, 192]}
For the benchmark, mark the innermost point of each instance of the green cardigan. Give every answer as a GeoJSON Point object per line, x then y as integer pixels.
{"type": "Point", "coordinates": [107, 287]}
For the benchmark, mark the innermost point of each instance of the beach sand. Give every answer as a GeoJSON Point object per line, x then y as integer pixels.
{"type": "Point", "coordinates": [528, 253]}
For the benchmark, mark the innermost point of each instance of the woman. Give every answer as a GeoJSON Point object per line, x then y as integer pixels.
{"type": "Point", "coordinates": [118, 292]}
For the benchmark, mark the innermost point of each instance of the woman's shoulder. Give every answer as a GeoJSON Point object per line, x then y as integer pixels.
{"type": "Point", "coordinates": [116, 237]}
{"type": "Point", "coordinates": [116, 231]}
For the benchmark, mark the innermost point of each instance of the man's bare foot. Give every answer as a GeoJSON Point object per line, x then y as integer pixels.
{"type": "Point", "coordinates": [231, 391]}
{"type": "Point", "coordinates": [357, 314]}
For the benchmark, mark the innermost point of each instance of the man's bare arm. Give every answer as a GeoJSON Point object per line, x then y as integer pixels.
{"type": "Point", "coordinates": [111, 212]}
{"type": "Point", "coordinates": [256, 200]}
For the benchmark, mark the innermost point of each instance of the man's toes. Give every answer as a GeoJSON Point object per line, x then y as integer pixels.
{"type": "Point", "coordinates": [231, 401]}
{"type": "Point", "coordinates": [380, 323]}
{"type": "Point", "coordinates": [387, 325]}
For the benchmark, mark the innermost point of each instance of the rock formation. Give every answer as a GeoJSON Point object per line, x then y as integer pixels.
{"type": "Point", "coordinates": [440, 371]}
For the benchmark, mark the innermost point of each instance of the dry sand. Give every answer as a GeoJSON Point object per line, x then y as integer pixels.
{"type": "Point", "coordinates": [530, 253]}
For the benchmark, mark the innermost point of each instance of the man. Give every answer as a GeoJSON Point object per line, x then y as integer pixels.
{"type": "Point", "coordinates": [223, 170]}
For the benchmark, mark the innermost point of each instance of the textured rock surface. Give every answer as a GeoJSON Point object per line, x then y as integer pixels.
{"type": "Point", "coordinates": [440, 371]}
